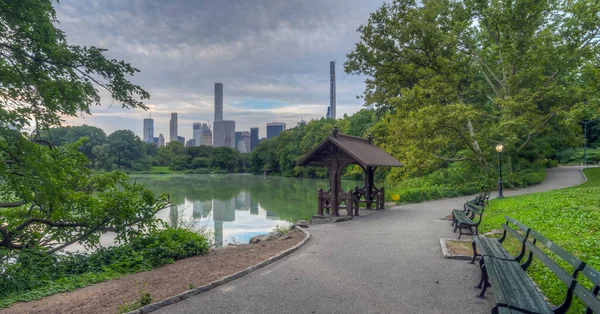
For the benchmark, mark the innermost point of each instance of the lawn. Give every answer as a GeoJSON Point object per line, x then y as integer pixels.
{"type": "Point", "coordinates": [569, 217]}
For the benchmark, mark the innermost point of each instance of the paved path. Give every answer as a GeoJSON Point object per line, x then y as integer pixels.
{"type": "Point", "coordinates": [389, 262]}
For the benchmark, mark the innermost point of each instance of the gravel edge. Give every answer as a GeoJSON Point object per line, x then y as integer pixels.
{"type": "Point", "coordinates": [217, 283]}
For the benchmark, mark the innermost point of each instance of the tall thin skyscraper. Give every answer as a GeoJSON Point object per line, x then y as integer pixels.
{"type": "Point", "coordinates": [149, 130]}
{"type": "Point", "coordinates": [197, 133]}
{"type": "Point", "coordinates": [218, 101]}
{"type": "Point", "coordinates": [332, 89]}
{"type": "Point", "coordinates": [173, 127]}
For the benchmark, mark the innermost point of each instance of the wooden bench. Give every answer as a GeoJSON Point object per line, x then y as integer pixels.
{"type": "Point", "coordinates": [493, 247]}
{"type": "Point", "coordinates": [515, 292]}
{"type": "Point", "coordinates": [467, 220]}
{"type": "Point", "coordinates": [479, 200]}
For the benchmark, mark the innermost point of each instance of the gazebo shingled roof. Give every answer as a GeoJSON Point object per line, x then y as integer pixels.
{"type": "Point", "coordinates": [362, 150]}
{"type": "Point", "coordinates": [337, 151]}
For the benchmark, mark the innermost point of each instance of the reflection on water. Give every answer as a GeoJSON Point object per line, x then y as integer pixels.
{"type": "Point", "coordinates": [235, 207]}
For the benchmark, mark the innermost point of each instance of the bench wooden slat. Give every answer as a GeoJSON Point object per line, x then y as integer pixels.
{"type": "Point", "coordinates": [592, 302]}
{"type": "Point", "coordinates": [565, 277]}
{"type": "Point", "coordinates": [513, 288]}
{"type": "Point", "coordinates": [562, 253]}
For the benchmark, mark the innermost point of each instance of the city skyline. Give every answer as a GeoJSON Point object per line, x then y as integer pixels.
{"type": "Point", "coordinates": [180, 61]}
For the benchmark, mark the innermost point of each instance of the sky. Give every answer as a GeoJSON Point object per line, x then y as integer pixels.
{"type": "Point", "coordinates": [272, 57]}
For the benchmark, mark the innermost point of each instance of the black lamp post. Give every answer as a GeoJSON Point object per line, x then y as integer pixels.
{"type": "Point", "coordinates": [499, 149]}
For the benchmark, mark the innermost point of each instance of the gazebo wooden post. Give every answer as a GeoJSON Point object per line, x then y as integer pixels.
{"type": "Point", "coordinates": [368, 187]}
{"type": "Point", "coordinates": [334, 184]}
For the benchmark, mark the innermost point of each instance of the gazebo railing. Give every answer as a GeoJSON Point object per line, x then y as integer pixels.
{"type": "Point", "coordinates": [325, 203]}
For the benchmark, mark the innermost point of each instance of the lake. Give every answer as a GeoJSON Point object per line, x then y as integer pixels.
{"type": "Point", "coordinates": [236, 207]}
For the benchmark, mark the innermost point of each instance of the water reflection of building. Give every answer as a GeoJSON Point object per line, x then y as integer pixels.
{"type": "Point", "coordinates": [223, 211]}
{"type": "Point", "coordinates": [272, 216]}
{"type": "Point", "coordinates": [174, 216]}
{"type": "Point", "coordinates": [253, 207]}
{"type": "Point", "coordinates": [242, 201]}
{"type": "Point", "coordinates": [201, 209]}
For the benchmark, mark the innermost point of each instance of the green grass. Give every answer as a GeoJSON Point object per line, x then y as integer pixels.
{"type": "Point", "coordinates": [568, 217]}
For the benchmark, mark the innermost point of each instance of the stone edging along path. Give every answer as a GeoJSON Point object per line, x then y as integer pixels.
{"type": "Point", "coordinates": [217, 283]}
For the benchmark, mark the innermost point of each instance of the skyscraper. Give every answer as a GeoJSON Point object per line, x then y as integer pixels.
{"type": "Point", "coordinates": [253, 138]}
{"type": "Point", "coordinates": [246, 140]}
{"type": "Point", "coordinates": [332, 89]}
{"type": "Point", "coordinates": [181, 140]}
{"type": "Point", "coordinates": [238, 138]}
{"type": "Point", "coordinates": [173, 127]}
{"type": "Point", "coordinates": [206, 135]}
{"type": "Point", "coordinates": [224, 133]}
{"type": "Point", "coordinates": [149, 130]}
{"type": "Point", "coordinates": [274, 129]}
{"type": "Point", "coordinates": [218, 101]}
{"type": "Point", "coordinates": [197, 133]}
{"type": "Point", "coordinates": [161, 140]}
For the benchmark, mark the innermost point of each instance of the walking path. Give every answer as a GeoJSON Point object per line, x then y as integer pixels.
{"type": "Point", "coordinates": [389, 262]}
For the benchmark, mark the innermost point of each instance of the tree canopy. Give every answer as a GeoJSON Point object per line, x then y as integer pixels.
{"type": "Point", "coordinates": [48, 196]}
{"type": "Point", "coordinates": [457, 78]}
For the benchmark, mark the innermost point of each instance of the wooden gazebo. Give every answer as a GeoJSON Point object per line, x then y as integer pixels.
{"type": "Point", "coordinates": [338, 151]}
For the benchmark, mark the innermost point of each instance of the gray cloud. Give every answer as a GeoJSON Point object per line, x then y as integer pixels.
{"type": "Point", "coordinates": [271, 50]}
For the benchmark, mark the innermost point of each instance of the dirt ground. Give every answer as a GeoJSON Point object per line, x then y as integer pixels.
{"type": "Point", "coordinates": [162, 282]}
{"type": "Point", "coordinates": [458, 247]}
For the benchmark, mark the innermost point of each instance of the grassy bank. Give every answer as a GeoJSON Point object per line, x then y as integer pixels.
{"type": "Point", "coordinates": [33, 274]}
{"type": "Point", "coordinates": [569, 217]}
{"type": "Point", "coordinates": [458, 181]}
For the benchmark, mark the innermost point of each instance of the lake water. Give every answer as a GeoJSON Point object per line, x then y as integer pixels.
{"type": "Point", "coordinates": [235, 207]}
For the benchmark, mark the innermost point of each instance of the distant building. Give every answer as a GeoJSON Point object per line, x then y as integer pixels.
{"type": "Point", "coordinates": [327, 116]}
{"type": "Point", "coordinates": [274, 129]}
{"type": "Point", "coordinates": [224, 133]}
{"type": "Point", "coordinates": [206, 135]}
{"type": "Point", "coordinates": [181, 140]}
{"type": "Point", "coordinates": [241, 147]}
{"type": "Point", "coordinates": [218, 102]}
{"type": "Point", "coordinates": [332, 112]}
{"type": "Point", "coordinates": [155, 141]}
{"type": "Point", "coordinates": [243, 138]}
{"type": "Point", "coordinates": [262, 140]}
{"type": "Point", "coordinates": [253, 138]}
{"type": "Point", "coordinates": [197, 133]}
{"type": "Point", "coordinates": [190, 143]}
{"type": "Point", "coordinates": [238, 138]}
{"type": "Point", "coordinates": [173, 127]}
{"type": "Point", "coordinates": [246, 140]}
{"type": "Point", "coordinates": [148, 130]}
{"type": "Point", "coordinates": [161, 140]}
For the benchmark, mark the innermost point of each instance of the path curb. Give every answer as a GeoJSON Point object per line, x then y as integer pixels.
{"type": "Point", "coordinates": [217, 283]}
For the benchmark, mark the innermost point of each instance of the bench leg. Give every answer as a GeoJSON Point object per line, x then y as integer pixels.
{"type": "Point", "coordinates": [474, 252]}
{"type": "Point", "coordinates": [485, 282]}
{"type": "Point", "coordinates": [459, 231]}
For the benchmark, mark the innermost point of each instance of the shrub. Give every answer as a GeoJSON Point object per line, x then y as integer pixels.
{"type": "Point", "coordinates": [36, 270]}
{"type": "Point", "coordinates": [461, 179]}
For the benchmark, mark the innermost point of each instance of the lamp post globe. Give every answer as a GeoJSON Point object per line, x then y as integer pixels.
{"type": "Point", "coordinates": [499, 149]}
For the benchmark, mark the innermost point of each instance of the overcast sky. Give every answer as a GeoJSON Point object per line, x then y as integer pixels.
{"type": "Point", "coordinates": [272, 57]}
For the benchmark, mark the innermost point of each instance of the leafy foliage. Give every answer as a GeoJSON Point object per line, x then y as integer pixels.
{"type": "Point", "coordinates": [461, 179]}
{"type": "Point", "coordinates": [48, 196]}
{"type": "Point", "coordinates": [455, 78]}
{"type": "Point", "coordinates": [568, 217]}
{"type": "Point", "coordinates": [33, 274]}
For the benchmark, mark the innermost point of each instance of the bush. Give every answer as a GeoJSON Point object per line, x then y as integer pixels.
{"type": "Point", "coordinates": [34, 270]}
{"type": "Point", "coordinates": [461, 179]}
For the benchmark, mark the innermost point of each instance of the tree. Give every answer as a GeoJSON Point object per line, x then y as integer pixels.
{"type": "Point", "coordinates": [125, 147]}
{"type": "Point", "coordinates": [460, 77]}
{"type": "Point", "coordinates": [70, 134]}
{"type": "Point", "coordinates": [48, 196]}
